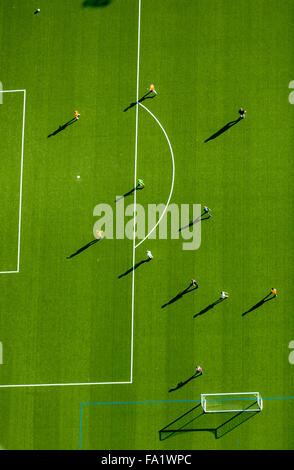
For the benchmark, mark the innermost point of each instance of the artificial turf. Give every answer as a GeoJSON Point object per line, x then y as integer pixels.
{"type": "Point", "coordinates": [70, 320]}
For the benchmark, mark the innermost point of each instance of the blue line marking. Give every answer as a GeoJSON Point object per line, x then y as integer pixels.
{"type": "Point", "coordinates": [278, 398]}
{"type": "Point", "coordinates": [80, 439]}
{"type": "Point", "coordinates": [137, 402]}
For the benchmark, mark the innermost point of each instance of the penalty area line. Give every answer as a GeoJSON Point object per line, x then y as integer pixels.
{"type": "Point", "coordinates": [8, 272]}
{"type": "Point", "coordinates": [21, 179]}
{"type": "Point", "coordinates": [63, 384]}
{"type": "Point", "coordinates": [11, 91]}
{"type": "Point", "coordinates": [133, 280]}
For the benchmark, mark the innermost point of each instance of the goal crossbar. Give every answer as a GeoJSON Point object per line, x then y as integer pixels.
{"type": "Point", "coordinates": [231, 402]}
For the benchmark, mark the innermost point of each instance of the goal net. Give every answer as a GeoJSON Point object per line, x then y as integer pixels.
{"type": "Point", "coordinates": [231, 402]}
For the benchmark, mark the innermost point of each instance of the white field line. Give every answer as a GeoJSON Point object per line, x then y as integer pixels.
{"type": "Point", "coordinates": [173, 177]}
{"type": "Point", "coordinates": [135, 184]}
{"type": "Point", "coordinates": [9, 272]}
{"type": "Point", "coordinates": [63, 385]}
{"type": "Point", "coordinates": [11, 91]}
{"type": "Point", "coordinates": [133, 282]}
{"type": "Point", "coordinates": [21, 178]}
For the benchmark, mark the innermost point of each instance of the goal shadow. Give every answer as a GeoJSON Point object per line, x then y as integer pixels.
{"type": "Point", "coordinates": [96, 3]}
{"type": "Point", "coordinates": [195, 420]}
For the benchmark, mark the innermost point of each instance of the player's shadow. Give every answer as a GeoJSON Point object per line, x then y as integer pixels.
{"type": "Point", "coordinates": [223, 129]}
{"type": "Point", "coordinates": [127, 194]}
{"type": "Point", "coordinates": [136, 266]}
{"type": "Point", "coordinates": [145, 97]}
{"type": "Point", "coordinates": [64, 126]}
{"type": "Point", "coordinates": [267, 298]}
{"type": "Point", "coordinates": [194, 222]}
{"type": "Point", "coordinates": [195, 420]}
{"type": "Point", "coordinates": [96, 3]}
{"type": "Point", "coordinates": [181, 384]}
{"type": "Point", "coordinates": [209, 307]}
{"type": "Point", "coordinates": [180, 295]}
{"type": "Point", "coordinates": [85, 247]}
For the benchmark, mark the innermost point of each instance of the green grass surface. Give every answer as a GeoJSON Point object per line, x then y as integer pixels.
{"type": "Point", "coordinates": [70, 320]}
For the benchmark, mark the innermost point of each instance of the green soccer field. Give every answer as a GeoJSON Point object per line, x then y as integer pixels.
{"type": "Point", "coordinates": [97, 348]}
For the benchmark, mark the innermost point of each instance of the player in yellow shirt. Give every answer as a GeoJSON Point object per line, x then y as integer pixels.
{"type": "Point", "coordinates": [152, 88]}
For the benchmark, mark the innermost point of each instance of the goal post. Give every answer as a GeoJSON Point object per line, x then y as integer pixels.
{"type": "Point", "coordinates": [231, 402]}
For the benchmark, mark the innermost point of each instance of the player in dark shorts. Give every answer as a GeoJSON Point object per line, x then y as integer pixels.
{"type": "Point", "coordinates": [242, 113]}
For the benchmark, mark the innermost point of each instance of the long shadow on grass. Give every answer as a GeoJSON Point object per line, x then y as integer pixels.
{"type": "Point", "coordinates": [181, 384]}
{"type": "Point", "coordinates": [134, 267]}
{"type": "Point", "coordinates": [194, 222]}
{"type": "Point", "coordinates": [180, 295]}
{"type": "Point", "coordinates": [127, 194]}
{"type": "Point", "coordinates": [85, 247]}
{"type": "Point", "coordinates": [267, 298]}
{"type": "Point", "coordinates": [96, 3]}
{"type": "Point", "coordinates": [209, 307]}
{"type": "Point", "coordinates": [195, 420]}
{"type": "Point", "coordinates": [223, 129]}
{"type": "Point", "coordinates": [145, 97]}
{"type": "Point", "coordinates": [64, 126]}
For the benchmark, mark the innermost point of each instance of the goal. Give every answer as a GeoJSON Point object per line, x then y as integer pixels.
{"type": "Point", "coordinates": [231, 402]}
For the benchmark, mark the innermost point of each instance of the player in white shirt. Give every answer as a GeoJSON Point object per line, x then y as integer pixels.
{"type": "Point", "coordinates": [224, 295]}
{"type": "Point", "coordinates": [149, 254]}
